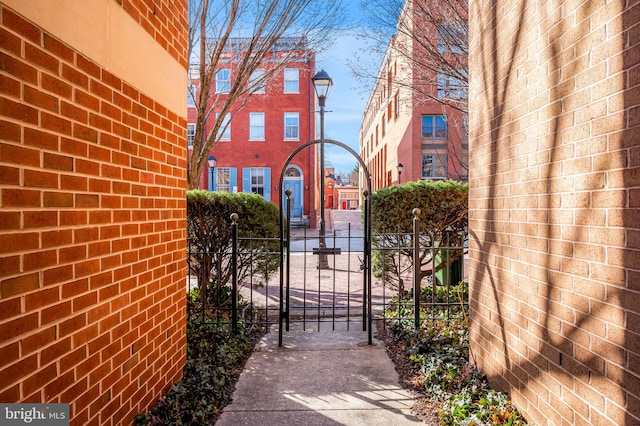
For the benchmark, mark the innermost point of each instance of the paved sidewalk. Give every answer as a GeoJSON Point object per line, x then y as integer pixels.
{"type": "Point", "coordinates": [338, 220]}
{"type": "Point", "coordinates": [327, 377]}
{"type": "Point", "coordinates": [319, 378]}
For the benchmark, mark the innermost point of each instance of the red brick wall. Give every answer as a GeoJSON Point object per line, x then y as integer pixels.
{"type": "Point", "coordinates": [92, 228]}
{"type": "Point", "coordinates": [555, 235]}
{"type": "Point", "coordinates": [241, 152]}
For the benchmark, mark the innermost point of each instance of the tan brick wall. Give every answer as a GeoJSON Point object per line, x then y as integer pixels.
{"type": "Point", "coordinates": [165, 21]}
{"type": "Point", "coordinates": [92, 226]}
{"type": "Point", "coordinates": [554, 206]}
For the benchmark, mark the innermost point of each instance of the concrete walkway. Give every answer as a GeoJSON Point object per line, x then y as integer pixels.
{"type": "Point", "coordinates": [319, 378]}
{"type": "Point", "coordinates": [326, 377]}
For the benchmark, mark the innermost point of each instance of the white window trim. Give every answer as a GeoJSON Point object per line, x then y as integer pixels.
{"type": "Point", "coordinates": [261, 174]}
{"type": "Point", "coordinates": [258, 74]}
{"type": "Point", "coordinates": [223, 86]}
{"type": "Point", "coordinates": [191, 133]}
{"type": "Point", "coordinates": [289, 115]}
{"type": "Point", "coordinates": [226, 135]}
{"type": "Point", "coordinates": [191, 94]}
{"type": "Point", "coordinates": [225, 171]}
{"type": "Point", "coordinates": [297, 80]}
{"type": "Point", "coordinates": [257, 114]}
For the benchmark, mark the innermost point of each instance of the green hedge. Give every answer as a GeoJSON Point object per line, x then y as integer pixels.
{"type": "Point", "coordinates": [209, 233]}
{"type": "Point", "coordinates": [443, 221]}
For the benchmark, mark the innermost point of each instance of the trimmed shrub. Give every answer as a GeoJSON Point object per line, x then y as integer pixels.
{"type": "Point", "coordinates": [209, 239]}
{"type": "Point", "coordinates": [443, 221]}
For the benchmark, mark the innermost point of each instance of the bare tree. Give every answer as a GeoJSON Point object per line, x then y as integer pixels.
{"type": "Point", "coordinates": [431, 36]}
{"type": "Point", "coordinates": [242, 34]}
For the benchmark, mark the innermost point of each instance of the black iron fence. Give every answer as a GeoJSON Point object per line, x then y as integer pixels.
{"type": "Point", "coordinates": [274, 280]}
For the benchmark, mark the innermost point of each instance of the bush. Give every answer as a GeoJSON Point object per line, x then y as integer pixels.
{"type": "Point", "coordinates": [443, 221]}
{"type": "Point", "coordinates": [215, 358]}
{"type": "Point", "coordinates": [209, 239]}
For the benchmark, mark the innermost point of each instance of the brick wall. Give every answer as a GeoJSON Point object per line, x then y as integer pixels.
{"type": "Point", "coordinates": [554, 219]}
{"type": "Point", "coordinates": [165, 21]}
{"type": "Point", "coordinates": [92, 225]}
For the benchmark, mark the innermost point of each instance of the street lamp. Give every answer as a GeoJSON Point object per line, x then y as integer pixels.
{"type": "Point", "coordinates": [399, 167]}
{"type": "Point", "coordinates": [322, 84]}
{"type": "Point", "coordinates": [212, 166]}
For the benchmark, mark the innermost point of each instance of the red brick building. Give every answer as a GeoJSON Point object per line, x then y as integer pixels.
{"type": "Point", "coordinates": [92, 204]}
{"type": "Point", "coordinates": [274, 121]}
{"type": "Point", "coordinates": [409, 118]}
{"type": "Point", "coordinates": [554, 207]}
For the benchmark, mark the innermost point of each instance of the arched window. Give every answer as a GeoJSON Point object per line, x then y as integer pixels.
{"type": "Point", "coordinates": [292, 172]}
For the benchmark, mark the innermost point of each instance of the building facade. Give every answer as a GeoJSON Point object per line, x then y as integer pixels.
{"type": "Point", "coordinates": [264, 129]}
{"type": "Point", "coordinates": [554, 207]}
{"type": "Point", "coordinates": [348, 198]}
{"type": "Point", "coordinates": [408, 121]}
{"type": "Point", "coordinates": [92, 204]}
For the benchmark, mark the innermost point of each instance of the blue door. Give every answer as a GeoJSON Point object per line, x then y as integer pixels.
{"type": "Point", "coordinates": [296, 188]}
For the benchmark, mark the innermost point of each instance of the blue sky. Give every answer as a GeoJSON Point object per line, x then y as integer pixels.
{"type": "Point", "coordinates": [346, 101]}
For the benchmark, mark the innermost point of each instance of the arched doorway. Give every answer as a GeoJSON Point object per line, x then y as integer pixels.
{"type": "Point", "coordinates": [294, 180]}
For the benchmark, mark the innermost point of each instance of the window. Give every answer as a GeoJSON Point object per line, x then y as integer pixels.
{"type": "Point", "coordinates": [292, 172]}
{"type": "Point", "coordinates": [434, 127]}
{"type": "Point", "coordinates": [451, 87]}
{"type": "Point", "coordinates": [223, 80]}
{"type": "Point", "coordinates": [191, 95]}
{"type": "Point", "coordinates": [223, 179]}
{"type": "Point", "coordinates": [434, 166]}
{"type": "Point", "coordinates": [465, 126]}
{"type": "Point", "coordinates": [453, 37]}
{"type": "Point", "coordinates": [464, 173]}
{"type": "Point", "coordinates": [291, 126]}
{"type": "Point", "coordinates": [256, 126]}
{"type": "Point", "coordinates": [257, 180]}
{"type": "Point", "coordinates": [191, 134]}
{"type": "Point", "coordinates": [396, 101]}
{"type": "Point", "coordinates": [257, 83]}
{"type": "Point", "coordinates": [291, 80]}
{"type": "Point", "coordinates": [225, 127]}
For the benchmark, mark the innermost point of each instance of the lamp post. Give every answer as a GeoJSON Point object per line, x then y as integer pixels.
{"type": "Point", "coordinates": [399, 167]}
{"type": "Point", "coordinates": [212, 166]}
{"type": "Point", "coordinates": [322, 84]}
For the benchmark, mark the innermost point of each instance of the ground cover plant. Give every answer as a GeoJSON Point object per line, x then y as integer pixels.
{"type": "Point", "coordinates": [215, 358]}
{"type": "Point", "coordinates": [434, 360]}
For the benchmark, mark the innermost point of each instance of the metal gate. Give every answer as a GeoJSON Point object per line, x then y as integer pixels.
{"type": "Point", "coordinates": [298, 291]}
{"type": "Point", "coordinates": [327, 282]}
{"type": "Point", "coordinates": [327, 277]}
{"type": "Point", "coordinates": [324, 293]}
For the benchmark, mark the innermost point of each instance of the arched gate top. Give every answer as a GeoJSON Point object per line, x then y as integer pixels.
{"type": "Point", "coordinates": [316, 142]}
